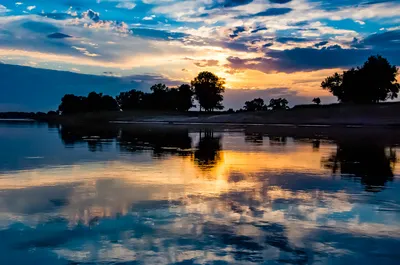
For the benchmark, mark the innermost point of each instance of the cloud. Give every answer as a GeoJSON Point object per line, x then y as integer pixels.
{"type": "Point", "coordinates": [157, 34]}
{"type": "Point", "coordinates": [314, 58]}
{"type": "Point", "coordinates": [228, 3]}
{"type": "Point", "coordinates": [386, 40]}
{"type": "Point", "coordinates": [33, 36]}
{"type": "Point", "coordinates": [30, 8]}
{"type": "Point", "coordinates": [38, 26]}
{"type": "Point", "coordinates": [34, 89]}
{"type": "Point", "coordinates": [85, 51]}
{"type": "Point", "coordinates": [290, 39]}
{"type": "Point", "coordinates": [126, 5]}
{"type": "Point", "coordinates": [259, 28]}
{"type": "Point", "coordinates": [205, 63]}
{"type": "Point", "coordinates": [270, 12]}
{"type": "Point", "coordinates": [58, 35]}
{"type": "Point", "coordinates": [280, 1]}
{"type": "Point", "coordinates": [56, 16]}
{"type": "Point", "coordinates": [342, 4]}
{"type": "Point", "coordinates": [236, 31]}
{"type": "Point", "coordinates": [320, 44]}
{"type": "Point", "coordinates": [95, 16]}
{"type": "Point", "coordinates": [307, 59]}
{"type": "Point", "coordinates": [4, 9]}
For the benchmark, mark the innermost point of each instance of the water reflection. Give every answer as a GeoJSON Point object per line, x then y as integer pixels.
{"type": "Point", "coordinates": [255, 138]}
{"type": "Point", "coordinates": [161, 142]}
{"type": "Point", "coordinates": [362, 160]}
{"type": "Point", "coordinates": [95, 137]}
{"type": "Point", "coordinates": [370, 162]}
{"type": "Point", "coordinates": [208, 150]}
{"type": "Point", "coordinates": [277, 140]}
{"type": "Point", "coordinates": [197, 196]}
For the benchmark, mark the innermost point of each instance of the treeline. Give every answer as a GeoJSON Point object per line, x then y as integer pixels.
{"type": "Point", "coordinates": [373, 82]}
{"type": "Point", "coordinates": [258, 104]}
{"type": "Point", "coordinates": [160, 98]}
{"type": "Point", "coordinates": [206, 88]}
{"type": "Point", "coordinates": [26, 115]}
{"type": "Point", "coordinates": [94, 102]}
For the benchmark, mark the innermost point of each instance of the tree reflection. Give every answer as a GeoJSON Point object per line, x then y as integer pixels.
{"type": "Point", "coordinates": [253, 138]}
{"type": "Point", "coordinates": [277, 140]}
{"type": "Point", "coordinates": [316, 144]}
{"type": "Point", "coordinates": [162, 142]}
{"type": "Point", "coordinates": [368, 162]}
{"type": "Point", "coordinates": [95, 137]}
{"type": "Point", "coordinates": [208, 150]}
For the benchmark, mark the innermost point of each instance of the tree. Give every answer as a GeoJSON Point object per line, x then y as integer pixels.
{"type": "Point", "coordinates": [71, 104]}
{"type": "Point", "coordinates": [159, 88]}
{"type": "Point", "coordinates": [185, 98]}
{"type": "Point", "coordinates": [109, 103]}
{"type": "Point", "coordinates": [93, 101]}
{"type": "Point", "coordinates": [373, 82]}
{"type": "Point", "coordinates": [256, 104]}
{"type": "Point", "coordinates": [52, 113]}
{"type": "Point", "coordinates": [159, 99]}
{"type": "Point", "coordinates": [278, 104]}
{"type": "Point", "coordinates": [130, 100]}
{"type": "Point", "coordinates": [99, 102]}
{"type": "Point", "coordinates": [316, 101]}
{"type": "Point", "coordinates": [208, 89]}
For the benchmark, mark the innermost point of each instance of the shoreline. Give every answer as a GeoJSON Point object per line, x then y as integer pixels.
{"type": "Point", "coordinates": [336, 115]}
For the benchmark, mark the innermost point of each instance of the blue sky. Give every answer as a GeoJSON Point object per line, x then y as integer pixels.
{"type": "Point", "coordinates": [259, 46]}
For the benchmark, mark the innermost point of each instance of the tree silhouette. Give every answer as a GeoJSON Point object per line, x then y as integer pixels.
{"type": "Point", "coordinates": [256, 104]}
{"type": "Point", "coordinates": [161, 98]}
{"type": "Point", "coordinates": [71, 104]}
{"type": "Point", "coordinates": [185, 98]}
{"type": "Point", "coordinates": [278, 104]}
{"type": "Point", "coordinates": [316, 101]}
{"type": "Point", "coordinates": [373, 82]}
{"type": "Point", "coordinates": [208, 89]}
{"type": "Point", "coordinates": [98, 102]}
{"type": "Point", "coordinates": [130, 100]}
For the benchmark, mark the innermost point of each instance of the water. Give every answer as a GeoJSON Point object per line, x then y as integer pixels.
{"type": "Point", "coordinates": [146, 195]}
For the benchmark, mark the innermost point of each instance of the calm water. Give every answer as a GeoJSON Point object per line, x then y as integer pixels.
{"type": "Point", "coordinates": [190, 196]}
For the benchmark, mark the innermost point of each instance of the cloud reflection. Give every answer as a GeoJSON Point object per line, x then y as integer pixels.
{"type": "Point", "coordinates": [155, 202]}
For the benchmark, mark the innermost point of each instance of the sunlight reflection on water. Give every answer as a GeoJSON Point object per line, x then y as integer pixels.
{"type": "Point", "coordinates": [182, 196]}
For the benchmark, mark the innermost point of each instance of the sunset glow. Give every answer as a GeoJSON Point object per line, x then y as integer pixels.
{"type": "Point", "coordinates": [276, 48]}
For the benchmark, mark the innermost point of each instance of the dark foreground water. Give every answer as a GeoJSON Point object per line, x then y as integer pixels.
{"type": "Point", "coordinates": [190, 196]}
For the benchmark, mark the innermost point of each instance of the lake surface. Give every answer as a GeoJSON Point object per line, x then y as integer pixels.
{"type": "Point", "coordinates": [173, 195]}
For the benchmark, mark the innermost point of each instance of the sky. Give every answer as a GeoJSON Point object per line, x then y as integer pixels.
{"type": "Point", "coordinates": [263, 48]}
